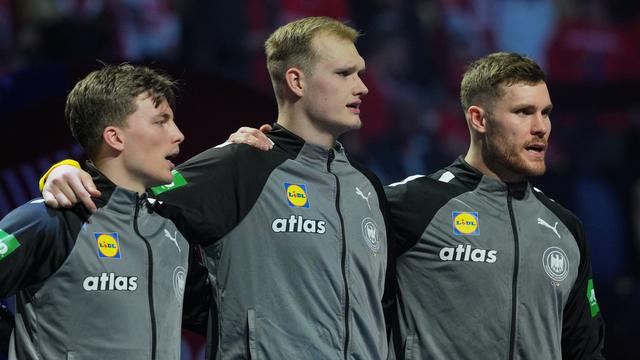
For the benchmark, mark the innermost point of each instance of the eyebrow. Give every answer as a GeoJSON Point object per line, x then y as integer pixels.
{"type": "Point", "coordinates": [351, 69]}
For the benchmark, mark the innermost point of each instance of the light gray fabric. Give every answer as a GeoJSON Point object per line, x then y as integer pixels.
{"type": "Point", "coordinates": [280, 281]}
{"type": "Point", "coordinates": [99, 308]}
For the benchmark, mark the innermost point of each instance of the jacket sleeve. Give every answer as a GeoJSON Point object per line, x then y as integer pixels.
{"type": "Point", "coordinates": [202, 200]}
{"type": "Point", "coordinates": [6, 327]}
{"type": "Point", "coordinates": [197, 294]}
{"type": "Point", "coordinates": [29, 250]}
{"type": "Point", "coordinates": [583, 325]}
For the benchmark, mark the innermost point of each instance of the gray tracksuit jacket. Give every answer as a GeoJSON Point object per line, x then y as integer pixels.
{"type": "Point", "coordinates": [490, 271]}
{"type": "Point", "coordinates": [296, 248]}
{"type": "Point", "coordinates": [102, 286]}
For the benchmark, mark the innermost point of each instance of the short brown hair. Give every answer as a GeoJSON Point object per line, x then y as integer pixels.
{"type": "Point", "coordinates": [107, 96]}
{"type": "Point", "coordinates": [290, 45]}
{"type": "Point", "coordinates": [483, 78]}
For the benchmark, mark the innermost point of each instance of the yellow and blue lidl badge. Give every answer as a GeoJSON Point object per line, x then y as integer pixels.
{"type": "Point", "coordinates": [465, 223]}
{"type": "Point", "coordinates": [8, 243]}
{"type": "Point", "coordinates": [297, 195]}
{"type": "Point", "coordinates": [108, 245]}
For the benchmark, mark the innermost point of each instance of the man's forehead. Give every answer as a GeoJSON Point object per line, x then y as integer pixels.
{"type": "Point", "coordinates": [326, 44]}
{"type": "Point", "coordinates": [525, 92]}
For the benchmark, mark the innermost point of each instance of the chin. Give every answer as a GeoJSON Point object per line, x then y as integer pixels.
{"type": "Point", "coordinates": [533, 170]}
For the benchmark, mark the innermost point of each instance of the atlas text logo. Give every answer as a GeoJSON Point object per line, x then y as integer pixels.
{"type": "Point", "coordinates": [467, 253]}
{"type": "Point", "coordinates": [298, 224]}
{"type": "Point", "coordinates": [109, 282]}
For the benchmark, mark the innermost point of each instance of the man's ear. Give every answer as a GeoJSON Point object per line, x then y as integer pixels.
{"type": "Point", "coordinates": [113, 137]}
{"type": "Point", "coordinates": [477, 119]}
{"type": "Point", "coordinates": [294, 78]}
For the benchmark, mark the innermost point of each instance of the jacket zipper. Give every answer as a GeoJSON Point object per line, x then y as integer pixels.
{"type": "Point", "coordinates": [343, 258]}
{"type": "Point", "coordinates": [139, 200]}
{"type": "Point", "coordinates": [514, 283]}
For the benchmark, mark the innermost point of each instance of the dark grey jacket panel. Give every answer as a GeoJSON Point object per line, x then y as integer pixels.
{"type": "Point", "coordinates": [296, 248]}
{"type": "Point", "coordinates": [116, 294]}
{"type": "Point", "coordinates": [487, 270]}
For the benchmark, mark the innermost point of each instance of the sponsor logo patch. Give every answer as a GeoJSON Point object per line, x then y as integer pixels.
{"type": "Point", "coordinates": [467, 253]}
{"type": "Point", "coordinates": [299, 225]}
{"type": "Point", "coordinates": [297, 195]}
{"type": "Point", "coordinates": [8, 243]}
{"type": "Point", "coordinates": [108, 245]}
{"type": "Point", "coordinates": [465, 223]}
{"type": "Point", "coordinates": [591, 296]}
{"type": "Point", "coordinates": [555, 263]}
{"type": "Point", "coordinates": [178, 181]}
{"type": "Point", "coordinates": [110, 282]}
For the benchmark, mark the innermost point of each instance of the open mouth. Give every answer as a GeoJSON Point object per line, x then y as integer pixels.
{"type": "Point", "coordinates": [170, 158]}
{"type": "Point", "coordinates": [537, 148]}
{"type": "Point", "coordinates": [354, 106]}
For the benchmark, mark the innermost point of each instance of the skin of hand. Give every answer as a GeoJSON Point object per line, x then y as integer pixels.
{"type": "Point", "coordinates": [253, 137]}
{"type": "Point", "coordinates": [66, 185]}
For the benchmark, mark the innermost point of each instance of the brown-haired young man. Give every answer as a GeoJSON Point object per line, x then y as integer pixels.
{"type": "Point", "coordinates": [295, 238]}
{"type": "Point", "coordinates": [107, 285]}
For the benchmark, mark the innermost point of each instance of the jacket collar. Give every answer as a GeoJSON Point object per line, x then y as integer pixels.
{"type": "Point", "coordinates": [296, 147]}
{"type": "Point", "coordinates": [472, 177]}
{"type": "Point", "coordinates": [119, 198]}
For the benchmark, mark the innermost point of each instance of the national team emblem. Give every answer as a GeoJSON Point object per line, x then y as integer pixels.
{"type": "Point", "coordinates": [297, 195]}
{"type": "Point", "coordinates": [465, 223]}
{"type": "Point", "coordinates": [371, 234]}
{"type": "Point", "coordinates": [555, 263]}
{"type": "Point", "coordinates": [108, 245]}
{"type": "Point", "coordinates": [179, 278]}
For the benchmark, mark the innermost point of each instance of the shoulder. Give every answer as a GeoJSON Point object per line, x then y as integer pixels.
{"type": "Point", "coordinates": [571, 220]}
{"type": "Point", "coordinates": [415, 190]}
{"type": "Point", "coordinates": [370, 175]}
{"type": "Point", "coordinates": [227, 157]}
{"type": "Point", "coordinates": [34, 214]}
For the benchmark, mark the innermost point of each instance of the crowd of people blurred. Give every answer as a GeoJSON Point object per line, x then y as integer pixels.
{"type": "Point", "coordinates": [416, 51]}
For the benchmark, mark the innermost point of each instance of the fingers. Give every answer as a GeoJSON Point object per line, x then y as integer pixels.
{"type": "Point", "coordinates": [67, 185]}
{"type": "Point", "coordinates": [265, 128]}
{"type": "Point", "coordinates": [49, 198]}
{"type": "Point", "coordinates": [85, 191]}
{"type": "Point", "coordinates": [252, 137]}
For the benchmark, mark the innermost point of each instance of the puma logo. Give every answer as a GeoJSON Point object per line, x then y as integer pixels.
{"type": "Point", "coordinates": [366, 198]}
{"type": "Point", "coordinates": [546, 224]}
{"type": "Point", "coordinates": [172, 238]}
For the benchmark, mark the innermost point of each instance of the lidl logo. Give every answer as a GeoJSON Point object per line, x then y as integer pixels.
{"type": "Point", "coordinates": [178, 181]}
{"type": "Point", "coordinates": [297, 195]}
{"type": "Point", "coordinates": [8, 243]}
{"type": "Point", "coordinates": [465, 223]}
{"type": "Point", "coordinates": [108, 245]}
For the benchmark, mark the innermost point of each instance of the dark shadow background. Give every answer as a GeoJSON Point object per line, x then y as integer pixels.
{"type": "Point", "coordinates": [415, 50]}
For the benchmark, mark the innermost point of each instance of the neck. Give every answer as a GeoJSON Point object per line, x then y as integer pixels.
{"type": "Point", "coordinates": [115, 171]}
{"type": "Point", "coordinates": [475, 158]}
{"type": "Point", "coordinates": [299, 123]}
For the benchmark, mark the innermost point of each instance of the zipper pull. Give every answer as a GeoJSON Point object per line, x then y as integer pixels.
{"type": "Point", "coordinates": [330, 159]}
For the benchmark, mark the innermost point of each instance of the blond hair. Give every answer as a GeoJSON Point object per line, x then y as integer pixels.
{"type": "Point", "coordinates": [290, 45]}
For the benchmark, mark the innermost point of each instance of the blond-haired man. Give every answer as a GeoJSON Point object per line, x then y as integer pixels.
{"type": "Point", "coordinates": [295, 238]}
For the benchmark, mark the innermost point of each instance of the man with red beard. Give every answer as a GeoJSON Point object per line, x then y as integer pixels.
{"type": "Point", "coordinates": [488, 266]}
